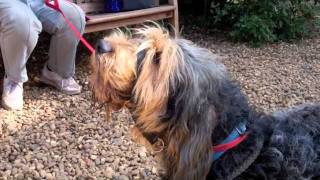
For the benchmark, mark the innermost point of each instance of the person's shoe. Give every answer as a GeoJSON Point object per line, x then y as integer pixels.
{"type": "Point", "coordinates": [68, 86]}
{"type": "Point", "coordinates": [12, 95]}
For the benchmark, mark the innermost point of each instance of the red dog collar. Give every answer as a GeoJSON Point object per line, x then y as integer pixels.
{"type": "Point", "coordinates": [235, 138]}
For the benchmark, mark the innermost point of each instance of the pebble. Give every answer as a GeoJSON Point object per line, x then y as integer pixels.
{"type": "Point", "coordinates": [154, 170]}
{"type": "Point", "coordinates": [49, 176]}
{"type": "Point", "coordinates": [93, 157]}
{"type": "Point", "coordinates": [43, 173]}
{"type": "Point", "coordinates": [123, 177]}
{"type": "Point", "coordinates": [142, 152]}
{"type": "Point", "coordinates": [108, 172]}
{"type": "Point", "coordinates": [19, 176]}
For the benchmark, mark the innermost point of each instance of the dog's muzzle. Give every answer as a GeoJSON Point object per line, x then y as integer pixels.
{"type": "Point", "coordinates": [103, 46]}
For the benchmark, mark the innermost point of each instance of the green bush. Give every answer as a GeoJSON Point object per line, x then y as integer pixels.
{"type": "Point", "coordinates": [253, 29]}
{"type": "Point", "coordinates": [261, 21]}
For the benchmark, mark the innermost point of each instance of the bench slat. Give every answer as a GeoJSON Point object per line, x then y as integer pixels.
{"type": "Point", "coordinates": [103, 25]}
{"type": "Point", "coordinates": [94, 19]}
{"type": "Point", "coordinates": [99, 21]}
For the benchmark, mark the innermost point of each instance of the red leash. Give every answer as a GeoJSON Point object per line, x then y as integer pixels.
{"type": "Point", "coordinates": [55, 5]}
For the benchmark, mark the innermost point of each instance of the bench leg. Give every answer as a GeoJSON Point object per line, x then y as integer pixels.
{"type": "Point", "coordinates": [174, 21]}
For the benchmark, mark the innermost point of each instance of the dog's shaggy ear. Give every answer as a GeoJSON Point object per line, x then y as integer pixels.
{"type": "Point", "coordinates": [157, 72]}
{"type": "Point", "coordinates": [167, 82]}
{"type": "Point", "coordinates": [190, 147]}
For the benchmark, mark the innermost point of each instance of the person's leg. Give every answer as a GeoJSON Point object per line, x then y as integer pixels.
{"type": "Point", "coordinates": [64, 43]}
{"type": "Point", "coordinates": [19, 30]}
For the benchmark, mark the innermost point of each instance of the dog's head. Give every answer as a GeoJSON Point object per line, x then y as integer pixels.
{"type": "Point", "coordinates": [114, 70]}
{"type": "Point", "coordinates": [168, 80]}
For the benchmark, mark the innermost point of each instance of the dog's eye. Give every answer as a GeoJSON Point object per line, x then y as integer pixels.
{"type": "Point", "coordinates": [141, 55]}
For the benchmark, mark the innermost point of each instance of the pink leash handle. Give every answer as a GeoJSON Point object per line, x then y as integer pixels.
{"type": "Point", "coordinates": [56, 7]}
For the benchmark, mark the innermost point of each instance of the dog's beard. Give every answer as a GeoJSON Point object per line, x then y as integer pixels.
{"type": "Point", "coordinates": [108, 90]}
{"type": "Point", "coordinates": [96, 81]}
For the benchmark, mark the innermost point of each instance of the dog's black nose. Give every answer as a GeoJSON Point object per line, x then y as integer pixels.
{"type": "Point", "coordinates": [103, 46]}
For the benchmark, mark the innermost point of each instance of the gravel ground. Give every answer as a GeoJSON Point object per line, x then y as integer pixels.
{"type": "Point", "coordinates": [67, 137]}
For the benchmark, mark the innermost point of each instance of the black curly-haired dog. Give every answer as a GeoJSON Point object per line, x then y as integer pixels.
{"type": "Point", "coordinates": [182, 94]}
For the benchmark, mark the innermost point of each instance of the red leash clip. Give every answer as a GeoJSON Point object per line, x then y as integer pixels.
{"type": "Point", "coordinates": [54, 4]}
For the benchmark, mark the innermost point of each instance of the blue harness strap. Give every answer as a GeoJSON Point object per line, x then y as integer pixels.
{"type": "Point", "coordinates": [236, 133]}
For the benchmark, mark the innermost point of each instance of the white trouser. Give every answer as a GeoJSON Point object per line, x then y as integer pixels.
{"type": "Point", "coordinates": [21, 21]}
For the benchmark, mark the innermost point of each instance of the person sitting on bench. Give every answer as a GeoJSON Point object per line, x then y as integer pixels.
{"type": "Point", "coordinates": [21, 21]}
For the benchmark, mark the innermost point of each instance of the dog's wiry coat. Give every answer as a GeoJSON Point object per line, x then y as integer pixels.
{"type": "Point", "coordinates": [186, 98]}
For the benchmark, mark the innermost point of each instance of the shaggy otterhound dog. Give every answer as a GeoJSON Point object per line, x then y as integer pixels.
{"type": "Point", "coordinates": [182, 95]}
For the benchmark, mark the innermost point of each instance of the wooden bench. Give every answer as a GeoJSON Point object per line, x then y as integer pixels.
{"type": "Point", "coordinates": [99, 21]}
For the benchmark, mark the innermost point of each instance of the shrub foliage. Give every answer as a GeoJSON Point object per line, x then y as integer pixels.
{"type": "Point", "coordinates": [261, 21]}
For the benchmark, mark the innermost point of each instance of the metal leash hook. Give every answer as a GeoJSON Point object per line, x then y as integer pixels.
{"type": "Point", "coordinates": [54, 4]}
